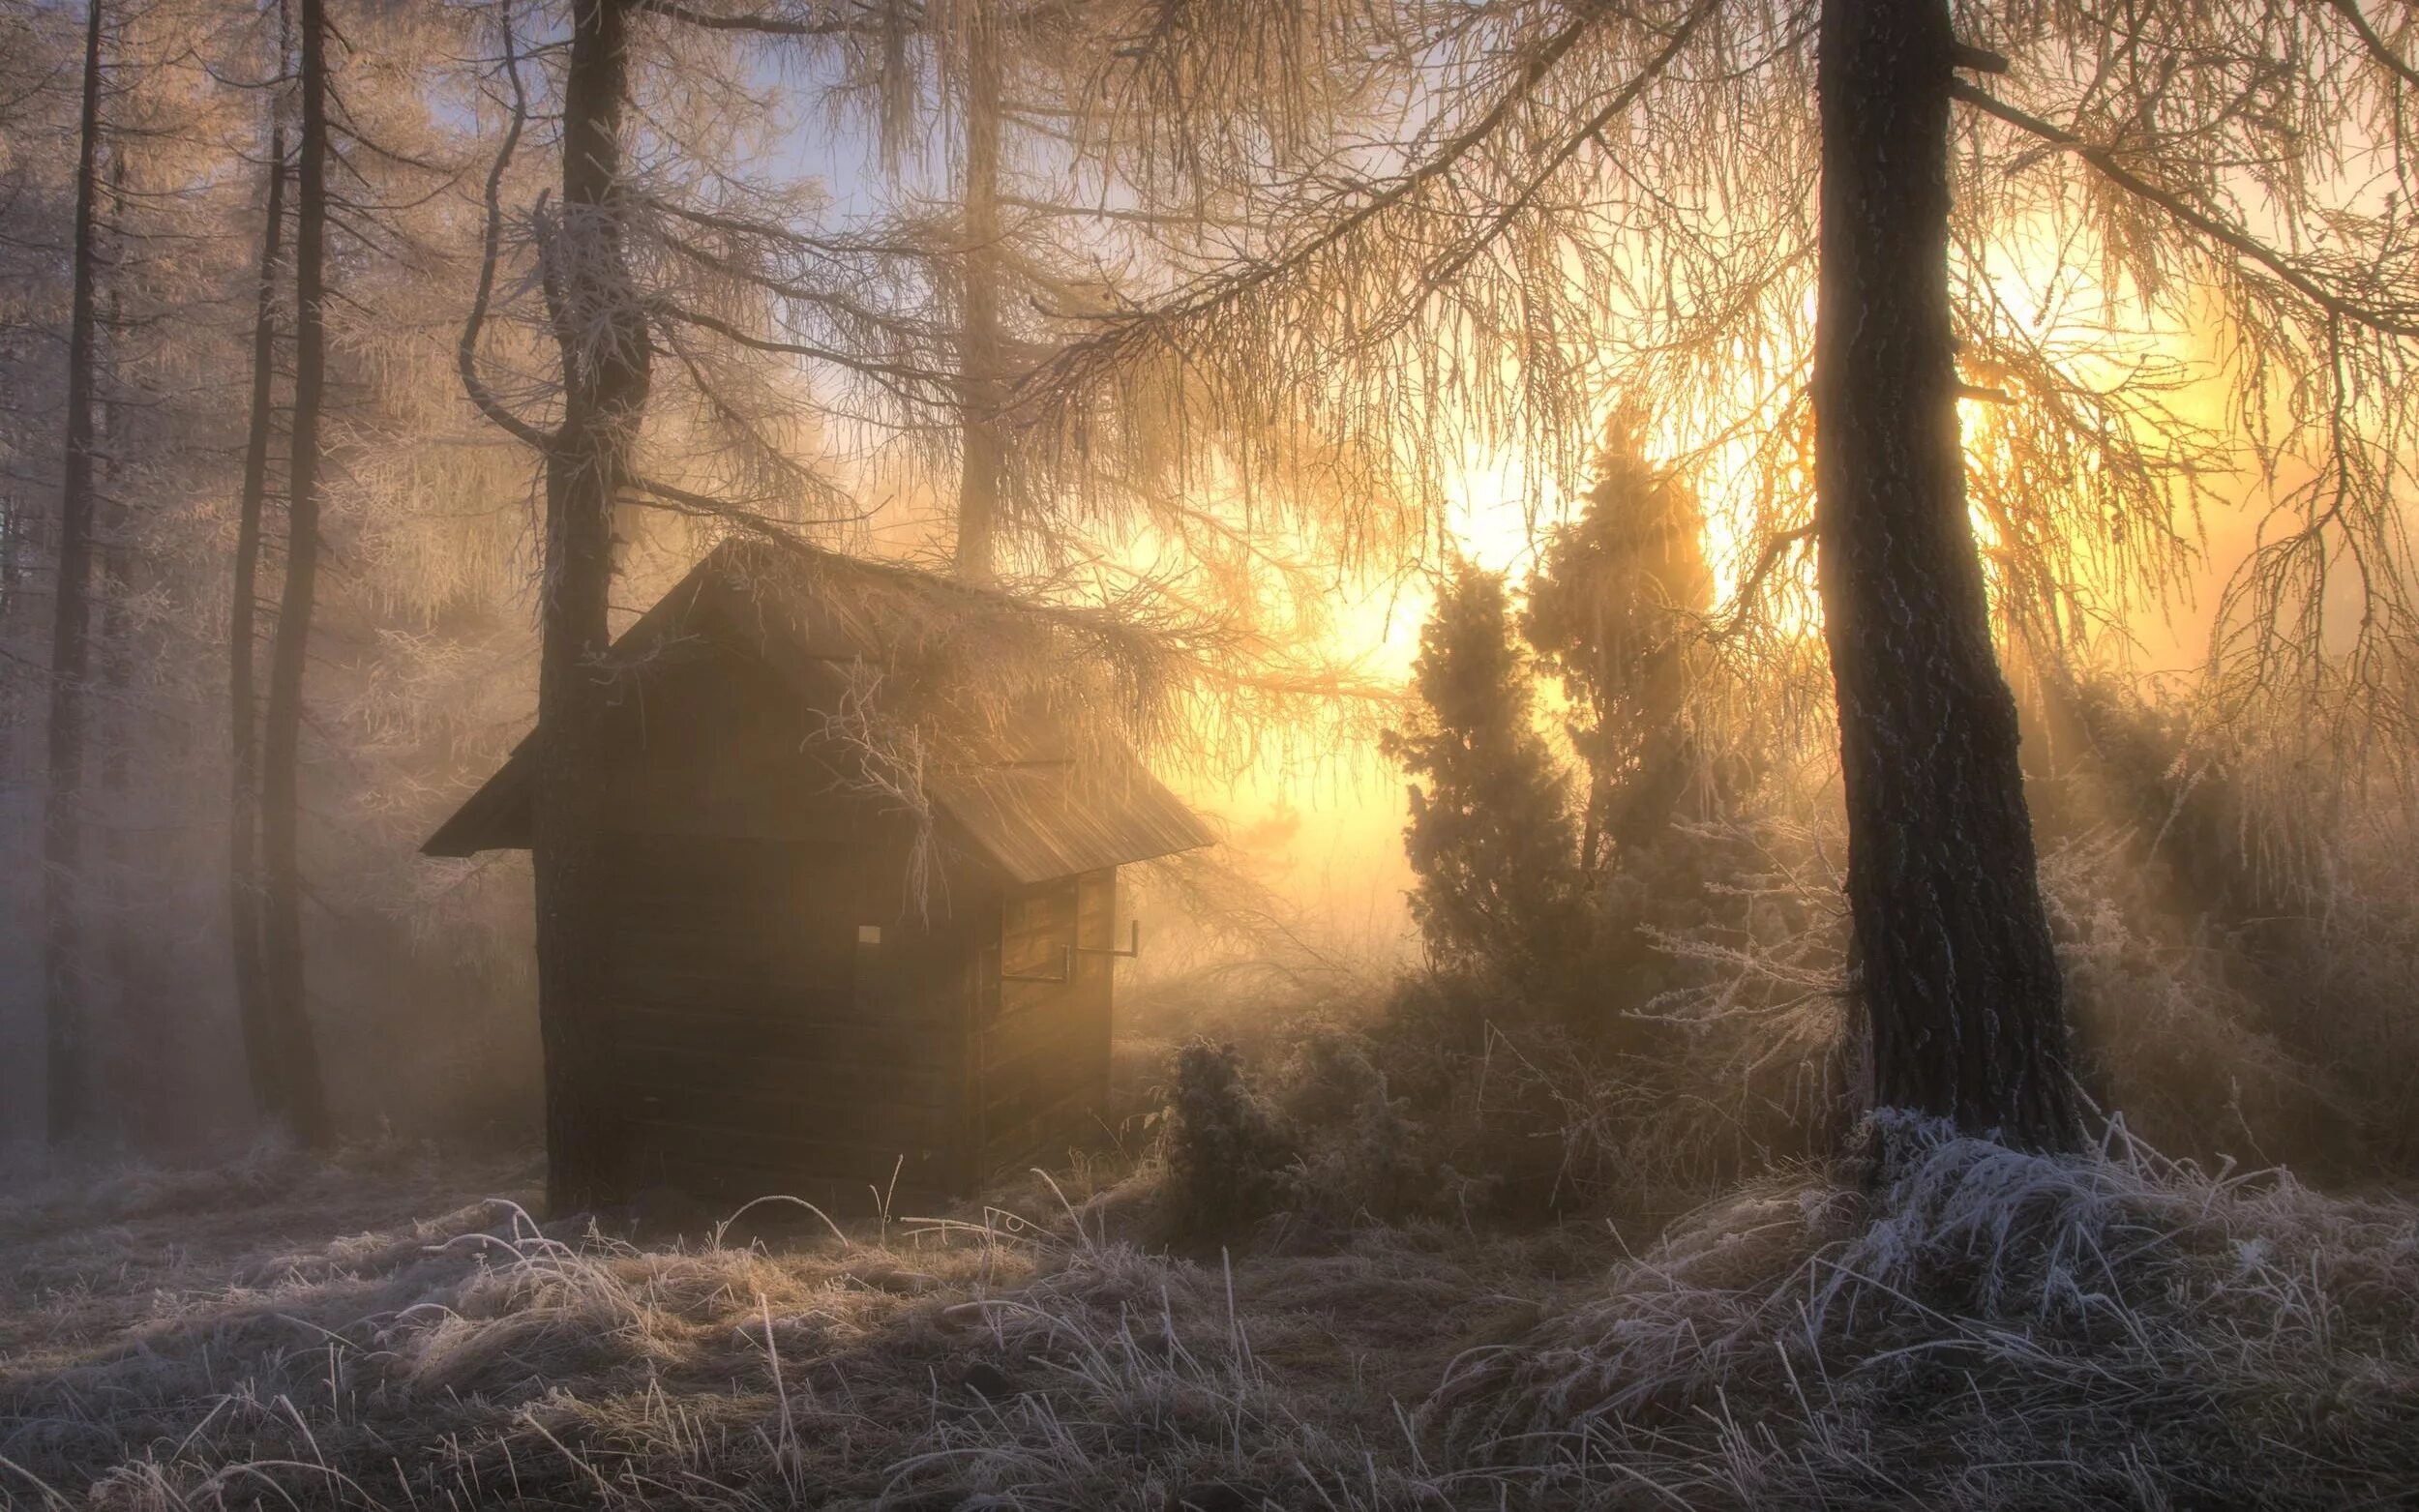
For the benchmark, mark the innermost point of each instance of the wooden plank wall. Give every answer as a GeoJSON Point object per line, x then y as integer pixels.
{"type": "Point", "coordinates": [758, 1046]}
{"type": "Point", "coordinates": [1042, 1054]}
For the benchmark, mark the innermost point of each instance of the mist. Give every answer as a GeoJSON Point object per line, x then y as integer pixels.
{"type": "Point", "coordinates": [1110, 753]}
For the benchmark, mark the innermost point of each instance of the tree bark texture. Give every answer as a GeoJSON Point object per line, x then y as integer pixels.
{"type": "Point", "coordinates": [982, 459]}
{"type": "Point", "coordinates": [302, 1098]}
{"type": "Point", "coordinates": [243, 860]}
{"type": "Point", "coordinates": [603, 337]}
{"type": "Point", "coordinates": [1958, 976]}
{"type": "Point", "coordinates": [70, 627]}
{"type": "Point", "coordinates": [115, 1075]}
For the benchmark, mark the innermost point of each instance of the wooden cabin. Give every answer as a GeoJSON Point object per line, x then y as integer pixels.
{"type": "Point", "coordinates": [823, 972]}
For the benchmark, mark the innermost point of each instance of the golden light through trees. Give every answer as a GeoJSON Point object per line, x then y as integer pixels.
{"type": "Point", "coordinates": [1049, 708]}
{"type": "Point", "coordinates": [1223, 329]}
{"type": "Point", "coordinates": [2175, 406]}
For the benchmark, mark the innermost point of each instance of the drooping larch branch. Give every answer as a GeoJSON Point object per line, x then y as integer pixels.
{"type": "Point", "coordinates": [2110, 166]}
{"type": "Point", "coordinates": [1230, 288]}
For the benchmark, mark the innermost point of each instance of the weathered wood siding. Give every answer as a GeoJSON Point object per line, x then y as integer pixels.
{"type": "Point", "coordinates": [759, 1046]}
{"type": "Point", "coordinates": [1041, 1045]}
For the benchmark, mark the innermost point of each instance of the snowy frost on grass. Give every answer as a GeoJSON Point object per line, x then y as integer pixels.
{"type": "Point", "coordinates": [1978, 1329]}
{"type": "Point", "coordinates": [1990, 1328]}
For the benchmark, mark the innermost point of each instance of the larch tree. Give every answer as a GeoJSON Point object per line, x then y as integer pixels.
{"type": "Point", "coordinates": [633, 265]}
{"type": "Point", "coordinates": [250, 971]}
{"type": "Point", "coordinates": [604, 354]}
{"type": "Point", "coordinates": [42, 86]}
{"type": "Point", "coordinates": [1012, 138]}
{"type": "Point", "coordinates": [62, 847]}
{"type": "Point", "coordinates": [956, 273]}
{"type": "Point", "coordinates": [299, 1090]}
{"type": "Point", "coordinates": [606, 361]}
{"type": "Point", "coordinates": [1956, 973]}
{"type": "Point", "coordinates": [117, 632]}
{"type": "Point", "coordinates": [373, 240]}
{"type": "Point", "coordinates": [126, 202]}
{"type": "Point", "coordinates": [981, 379]}
{"type": "Point", "coordinates": [1651, 201]}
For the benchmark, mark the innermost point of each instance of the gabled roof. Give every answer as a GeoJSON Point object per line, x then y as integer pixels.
{"type": "Point", "coordinates": [1035, 798]}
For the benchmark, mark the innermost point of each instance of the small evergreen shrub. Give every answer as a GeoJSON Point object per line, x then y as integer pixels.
{"type": "Point", "coordinates": [1228, 1159]}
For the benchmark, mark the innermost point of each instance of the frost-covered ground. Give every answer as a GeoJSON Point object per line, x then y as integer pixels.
{"type": "Point", "coordinates": [1993, 1331]}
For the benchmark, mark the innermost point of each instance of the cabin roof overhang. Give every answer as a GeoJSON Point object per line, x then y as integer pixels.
{"type": "Point", "coordinates": [1021, 798]}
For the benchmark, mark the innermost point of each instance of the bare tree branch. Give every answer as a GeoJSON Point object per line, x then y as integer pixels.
{"type": "Point", "coordinates": [759, 25]}
{"type": "Point", "coordinates": [467, 356]}
{"type": "Point", "coordinates": [2232, 237]}
{"type": "Point", "coordinates": [2375, 44]}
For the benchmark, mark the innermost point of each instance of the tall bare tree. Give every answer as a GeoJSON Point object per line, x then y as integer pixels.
{"type": "Point", "coordinates": [1954, 965]}
{"type": "Point", "coordinates": [63, 859]}
{"type": "Point", "coordinates": [301, 1093]}
{"type": "Point", "coordinates": [604, 350]}
{"type": "Point", "coordinates": [979, 384]}
{"type": "Point", "coordinates": [605, 368]}
{"type": "Point", "coordinates": [260, 1055]}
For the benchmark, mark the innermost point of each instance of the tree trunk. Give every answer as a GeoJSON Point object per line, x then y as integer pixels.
{"type": "Point", "coordinates": [242, 870]}
{"type": "Point", "coordinates": [1958, 979]}
{"type": "Point", "coordinates": [115, 1080]}
{"type": "Point", "coordinates": [302, 1097]}
{"type": "Point", "coordinates": [62, 842]}
{"type": "Point", "coordinates": [604, 335]}
{"type": "Point", "coordinates": [982, 457]}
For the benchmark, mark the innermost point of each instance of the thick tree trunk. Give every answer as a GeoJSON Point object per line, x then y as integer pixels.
{"type": "Point", "coordinates": [302, 1102]}
{"type": "Point", "coordinates": [243, 867]}
{"type": "Point", "coordinates": [62, 844]}
{"type": "Point", "coordinates": [1958, 975]}
{"type": "Point", "coordinates": [605, 377]}
{"type": "Point", "coordinates": [982, 456]}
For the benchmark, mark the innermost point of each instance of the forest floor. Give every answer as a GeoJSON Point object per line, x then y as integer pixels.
{"type": "Point", "coordinates": [391, 1328]}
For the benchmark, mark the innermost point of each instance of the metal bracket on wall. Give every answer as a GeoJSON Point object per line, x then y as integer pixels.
{"type": "Point", "coordinates": [1066, 969]}
{"type": "Point", "coordinates": [1128, 953]}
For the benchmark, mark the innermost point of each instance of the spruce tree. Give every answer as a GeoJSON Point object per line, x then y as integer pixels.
{"type": "Point", "coordinates": [1491, 837]}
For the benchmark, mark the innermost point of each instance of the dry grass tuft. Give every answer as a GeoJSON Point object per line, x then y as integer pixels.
{"type": "Point", "coordinates": [1988, 1329]}
{"type": "Point", "coordinates": [1982, 1329]}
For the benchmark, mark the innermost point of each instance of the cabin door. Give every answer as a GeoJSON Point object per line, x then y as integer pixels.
{"type": "Point", "coordinates": [1041, 1054]}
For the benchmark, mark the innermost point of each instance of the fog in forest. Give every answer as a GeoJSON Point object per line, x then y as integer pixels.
{"type": "Point", "coordinates": [1276, 753]}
